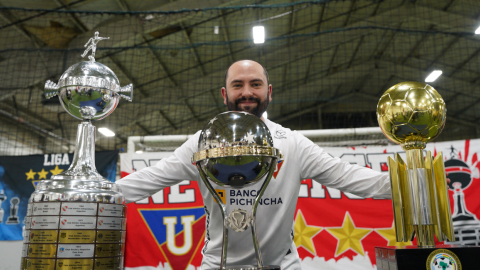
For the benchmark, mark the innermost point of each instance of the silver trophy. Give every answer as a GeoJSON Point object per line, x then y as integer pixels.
{"type": "Point", "coordinates": [235, 150]}
{"type": "Point", "coordinates": [3, 197]}
{"type": "Point", "coordinates": [76, 220]}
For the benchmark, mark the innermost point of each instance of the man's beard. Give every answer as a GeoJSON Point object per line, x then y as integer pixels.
{"type": "Point", "coordinates": [257, 110]}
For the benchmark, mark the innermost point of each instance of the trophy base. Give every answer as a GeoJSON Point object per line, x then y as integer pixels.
{"type": "Point", "coordinates": [412, 257]}
{"type": "Point", "coordinates": [248, 267]}
{"type": "Point", "coordinates": [13, 220]}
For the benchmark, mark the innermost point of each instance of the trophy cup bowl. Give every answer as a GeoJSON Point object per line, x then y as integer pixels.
{"type": "Point", "coordinates": [411, 112]}
{"type": "Point", "coordinates": [235, 150]}
{"type": "Point", "coordinates": [237, 146]}
{"type": "Point", "coordinates": [88, 90]}
{"type": "Point", "coordinates": [76, 219]}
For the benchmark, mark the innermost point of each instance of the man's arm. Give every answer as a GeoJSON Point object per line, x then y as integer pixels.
{"type": "Point", "coordinates": [333, 172]}
{"type": "Point", "coordinates": [167, 172]}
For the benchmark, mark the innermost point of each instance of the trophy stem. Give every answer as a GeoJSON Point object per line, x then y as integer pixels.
{"type": "Point", "coordinates": [420, 193]}
{"type": "Point", "coordinates": [83, 164]}
{"type": "Point", "coordinates": [223, 262]}
{"type": "Point", "coordinates": [256, 243]}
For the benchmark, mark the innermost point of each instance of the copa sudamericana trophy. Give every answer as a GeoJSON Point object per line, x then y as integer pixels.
{"type": "Point", "coordinates": [412, 114]}
{"type": "Point", "coordinates": [76, 219]}
{"type": "Point", "coordinates": [235, 150]}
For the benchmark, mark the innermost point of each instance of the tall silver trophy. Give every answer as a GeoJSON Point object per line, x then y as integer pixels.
{"type": "Point", "coordinates": [76, 220]}
{"type": "Point", "coordinates": [235, 150]}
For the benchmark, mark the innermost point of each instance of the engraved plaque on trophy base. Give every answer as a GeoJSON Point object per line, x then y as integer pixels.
{"type": "Point", "coordinates": [87, 239]}
{"type": "Point", "coordinates": [440, 257]}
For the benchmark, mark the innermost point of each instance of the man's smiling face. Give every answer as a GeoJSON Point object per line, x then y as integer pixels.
{"type": "Point", "coordinates": [247, 88]}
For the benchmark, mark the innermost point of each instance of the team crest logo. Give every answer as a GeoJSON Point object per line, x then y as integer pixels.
{"type": "Point", "coordinates": [443, 259]}
{"type": "Point", "coordinates": [60, 264]}
{"type": "Point", "coordinates": [98, 263]}
{"type": "Point", "coordinates": [63, 235]}
{"type": "Point", "coordinates": [238, 220]}
{"type": "Point", "coordinates": [279, 165]}
{"type": "Point", "coordinates": [178, 232]}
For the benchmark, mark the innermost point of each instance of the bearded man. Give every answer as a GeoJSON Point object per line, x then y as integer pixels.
{"type": "Point", "coordinates": [247, 89]}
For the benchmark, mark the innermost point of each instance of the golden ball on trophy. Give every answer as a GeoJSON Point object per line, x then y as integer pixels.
{"type": "Point", "coordinates": [411, 114]}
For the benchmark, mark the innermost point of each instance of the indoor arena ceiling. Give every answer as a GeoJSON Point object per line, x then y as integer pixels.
{"type": "Point", "coordinates": [355, 77]}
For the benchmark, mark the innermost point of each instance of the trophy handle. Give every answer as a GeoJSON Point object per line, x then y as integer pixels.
{"type": "Point", "coordinates": [51, 89]}
{"type": "Point", "coordinates": [126, 92]}
{"type": "Point", "coordinates": [256, 243]}
{"type": "Point", "coordinates": [223, 262]}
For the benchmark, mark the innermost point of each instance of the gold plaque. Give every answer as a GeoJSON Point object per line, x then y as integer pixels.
{"type": "Point", "coordinates": [43, 236]}
{"type": "Point", "coordinates": [23, 264]}
{"type": "Point", "coordinates": [40, 264]}
{"type": "Point", "coordinates": [108, 250]}
{"type": "Point", "coordinates": [42, 251]}
{"type": "Point", "coordinates": [77, 236]}
{"type": "Point", "coordinates": [109, 236]}
{"type": "Point", "coordinates": [75, 264]}
{"type": "Point", "coordinates": [107, 263]}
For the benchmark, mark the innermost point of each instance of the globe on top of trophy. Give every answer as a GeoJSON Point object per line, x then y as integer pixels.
{"type": "Point", "coordinates": [411, 114]}
{"type": "Point", "coordinates": [235, 149]}
{"type": "Point", "coordinates": [89, 90]}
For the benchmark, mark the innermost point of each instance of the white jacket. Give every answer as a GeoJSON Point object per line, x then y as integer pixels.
{"type": "Point", "coordinates": [302, 159]}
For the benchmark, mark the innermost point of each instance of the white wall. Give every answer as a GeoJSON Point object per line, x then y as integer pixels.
{"type": "Point", "coordinates": [10, 255]}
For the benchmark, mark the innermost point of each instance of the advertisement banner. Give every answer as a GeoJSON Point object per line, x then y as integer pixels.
{"type": "Point", "coordinates": [333, 230]}
{"type": "Point", "coordinates": [20, 174]}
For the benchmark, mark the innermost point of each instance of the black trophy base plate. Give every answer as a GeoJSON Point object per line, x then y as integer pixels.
{"type": "Point", "coordinates": [412, 257]}
{"type": "Point", "coordinates": [248, 267]}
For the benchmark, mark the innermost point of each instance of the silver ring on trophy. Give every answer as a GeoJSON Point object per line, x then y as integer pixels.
{"type": "Point", "coordinates": [235, 150]}
{"type": "Point", "coordinates": [77, 218]}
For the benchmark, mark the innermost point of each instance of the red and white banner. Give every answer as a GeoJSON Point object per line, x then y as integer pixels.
{"type": "Point", "coordinates": [333, 230]}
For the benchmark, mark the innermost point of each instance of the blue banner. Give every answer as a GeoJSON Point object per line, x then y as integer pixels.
{"type": "Point", "coordinates": [20, 174]}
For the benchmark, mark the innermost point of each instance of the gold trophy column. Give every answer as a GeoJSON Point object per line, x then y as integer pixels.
{"type": "Point", "coordinates": [412, 114]}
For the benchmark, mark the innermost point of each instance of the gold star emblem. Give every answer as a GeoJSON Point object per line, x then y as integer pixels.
{"type": "Point", "coordinates": [304, 233]}
{"type": "Point", "coordinates": [390, 235]}
{"type": "Point", "coordinates": [42, 174]}
{"type": "Point", "coordinates": [56, 170]}
{"type": "Point", "coordinates": [349, 236]}
{"type": "Point", "coordinates": [30, 174]}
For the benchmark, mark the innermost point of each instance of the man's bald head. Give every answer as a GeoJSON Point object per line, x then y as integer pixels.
{"type": "Point", "coordinates": [246, 61]}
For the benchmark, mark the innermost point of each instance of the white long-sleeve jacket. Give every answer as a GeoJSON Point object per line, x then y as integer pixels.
{"type": "Point", "coordinates": [302, 159]}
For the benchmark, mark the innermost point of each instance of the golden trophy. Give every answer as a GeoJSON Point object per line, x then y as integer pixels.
{"type": "Point", "coordinates": [412, 114]}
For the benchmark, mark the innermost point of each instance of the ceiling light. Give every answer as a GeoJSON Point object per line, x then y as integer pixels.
{"type": "Point", "coordinates": [433, 76]}
{"type": "Point", "coordinates": [139, 152]}
{"type": "Point", "coordinates": [216, 30]}
{"type": "Point", "coordinates": [258, 34]}
{"type": "Point", "coordinates": [106, 132]}
{"type": "Point", "coordinates": [477, 32]}
{"type": "Point", "coordinates": [264, 115]}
